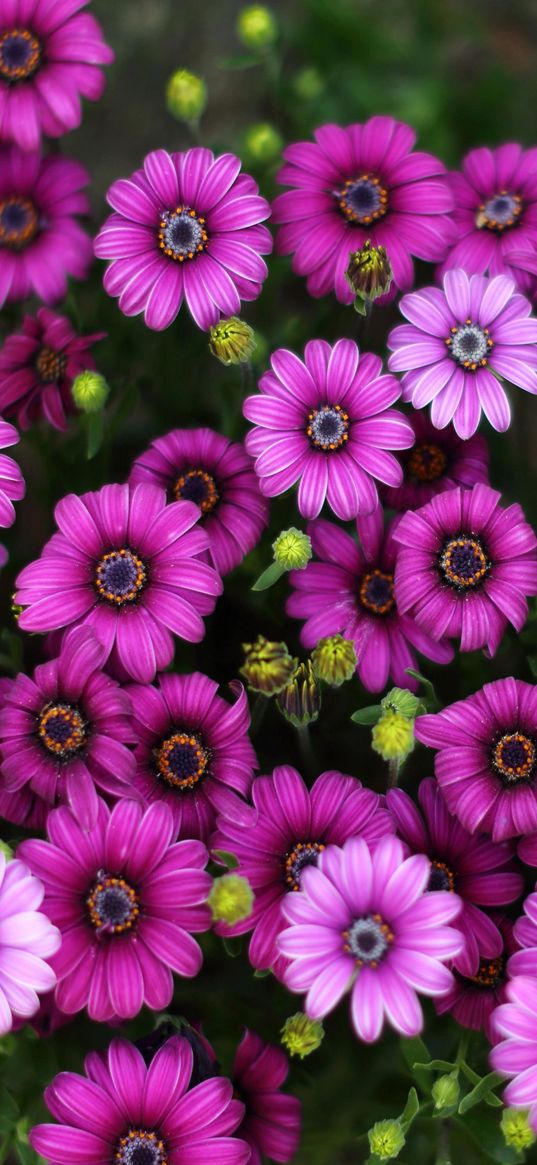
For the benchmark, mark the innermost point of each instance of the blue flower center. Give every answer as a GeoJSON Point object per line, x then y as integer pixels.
{"type": "Point", "coordinates": [376, 592]}
{"type": "Point", "coordinates": [182, 234]}
{"type": "Point", "coordinates": [141, 1147]}
{"type": "Point", "coordinates": [469, 345]}
{"type": "Point", "coordinates": [20, 54]}
{"type": "Point", "coordinates": [500, 212]}
{"type": "Point", "coordinates": [441, 877]}
{"type": "Point", "coordinates": [363, 200]}
{"type": "Point", "coordinates": [367, 939]}
{"type": "Point", "coordinates": [120, 576]}
{"type": "Point", "coordinates": [19, 222]}
{"type": "Point", "coordinates": [113, 905]}
{"type": "Point", "coordinates": [182, 760]}
{"type": "Point", "coordinates": [328, 428]}
{"type": "Point", "coordinates": [514, 758]}
{"type": "Point", "coordinates": [304, 853]}
{"type": "Point", "coordinates": [61, 730]}
{"type": "Point", "coordinates": [196, 485]}
{"type": "Point", "coordinates": [464, 563]}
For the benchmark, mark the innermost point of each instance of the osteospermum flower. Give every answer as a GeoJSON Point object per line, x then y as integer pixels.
{"type": "Point", "coordinates": [459, 342]}
{"type": "Point", "coordinates": [123, 1110]}
{"type": "Point", "coordinates": [486, 763]}
{"type": "Point", "coordinates": [481, 872]}
{"type": "Point", "coordinates": [286, 830]}
{"type": "Point", "coordinates": [50, 56]}
{"type": "Point", "coordinates": [187, 225]}
{"type": "Point", "coordinates": [327, 423]}
{"type": "Point", "coordinates": [40, 239]}
{"type": "Point", "coordinates": [365, 923]}
{"type": "Point", "coordinates": [516, 1053]}
{"type": "Point", "coordinates": [12, 484]}
{"type": "Point", "coordinates": [38, 366]}
{"type": "Point", "coordinates": [193, 749]}
{"type": "Point", "coordinates": [437, 461]}
{"type": "Point", "coordinates": [272, 1120]}
{"type": "Point", "coordinates": [129, 566]}
{"type": "Point", "coordinates": [524, 961]}
{"type": "Point", "coordinates": [351, 591]}
{"type": "Point", "coordinates": [27, 940]}
{"type": "Point", "coordinates": [217, 474]}
{"type": "Point", "coordinates": [465, 566]}
{"type": "Point", "coordinates": [126, 901]}
{"type": "Point", "coordinates": [63, 731]}
{"type": "Point", "coordinates": [357, 184]}
{"type": "Point", "coordinates": [473, 999]}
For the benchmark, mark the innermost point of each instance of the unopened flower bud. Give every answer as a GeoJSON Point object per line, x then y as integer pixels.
{"type": "Point", "coordinates": [369, 273]}
{"type": "Point", "coordinates": [292, 549]}
{"type": "Point", "coordinates": [263, 142]}
{"type": "Point", "coordinates": [445, 1091]}
{"type": "Point", "coordinates": [301, 1035]}
{"type": "Point", "coordinates": [393, 736]}
{"type": "Point", "coordinates": [268, 666]}
{"type": "Point", "coordinates": [90, 392]}
{"type": "Point", "coordinates": [308, 84]}
{"type": "Point", "coordinates": [232, 341]}
{"type": "Point", "coordinates": [231, 898]}
{"type": "Point", "coordinates": [300, 701]}
{"type": "Point", "coordinates": [386, 1139]}
{"type": "Point", "coordinates": [516, 1129]}
{"type": "Point", "coordinates": [186, 95]}
{"type": "Point", "coordinates": [334, 660]}
{"type": "Point", "coordinates": [257, 27]}
{"type": "Point", "coordinates": [403, 701]}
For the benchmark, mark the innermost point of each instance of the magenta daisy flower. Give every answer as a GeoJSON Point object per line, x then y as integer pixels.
{"type": "Point", "coordinates": [524, 961]}
{"type": "Point", "coordinates": [515, 1054]}
{"type": "Point", "coordinates": [40, 239]}
{"type": "Point", "coordinates": [272, 1120]}
{"type": "Point", "coordinates": [364, 923]}
{"type": "Point", "coordinates": [27, 940]}
{"type": "Point", "coordinates": [437, 461]}
{"type": "Point", "coordinates": [193, 749]}
{"type": "Point", "coordinates": [217, 474]}
{"type": "Point", "coordinates": [12, 484]}
{"type": "Point", "coordinates": [350, 591]}
{"type": "Point", "coordinates": [50, 56]}
{"type": "Point", "coordinates": [486, 764]}
{"type": "Point", "coordinates": [479, 870]}
{"type": "Point", "coordinates": [473, 999]}
{"type": "Point", "coordinates": [495, 209]}
{"type": "Point", "coordinates": [64, 730]}
{"type": "Point", "coordinates": [187, 225]}
{"type": "Point", "coordinates": [288, 827]}
{"type": "Point", "coordinates": [123, 1110]}
{"type": "Point", "coordinates": [465, 567]}
{"type": "Point", "coordinates": [128, 565]}
{"type": "Point", "coordinates": [357, 183]}
{"type": "Point", "coordinates": [38, 366]}
{"type": "Point", "coordinates": [327, 423]}
{"type": "Point", "coordinates": [460, 342]}
{"type": "Point", "coordinates": [126, 901]}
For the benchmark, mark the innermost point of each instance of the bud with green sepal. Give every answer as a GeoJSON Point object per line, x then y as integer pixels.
{"type": "Point", "coordinates": [334, 660]}
{"type": "Point", "coordinates": [231, 898]}
{"type": "Point", "coordinates": [257, 27]}
{"type": "Point", "coordinates": [90, 392]}
{"type": "Point", "coordinates": [445, 1091]}
{"type": "Point", "coordinates": [300, 701]}
{"type": "Point", "coordinates": [517, 1131]}
{"type": "Point", "coordinates": [301, 1035]}
{"type": "Point", "coordinates": [386, 1139]}
{"type": "Point", "coordinates": [232, 341]}
{"type": "Point", "coordinates": [186, 96]}
{"type": "Point", "coordinates": [292, 551]}
{"type": "Point", "coordinates": [268, 666]}
{"type": "Point", "coordinates": [263, 143]}
{"type": "Point", "coordinates": [369, 273]}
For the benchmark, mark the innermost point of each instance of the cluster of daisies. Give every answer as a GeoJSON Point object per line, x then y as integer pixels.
{"type": "Point", "coordinates": [134, 778]}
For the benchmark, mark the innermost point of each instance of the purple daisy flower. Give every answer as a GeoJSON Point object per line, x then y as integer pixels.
{"type": "Point", "coordinates": [357, 183]}
{"type": "Point", "coordinates": [187, 225]}
{"type": "Point", "coordinates": [128, 565]}
{"type": "Point", "coordinates": [272, 1120]}
{"type": "Point", "coordinates": [473, 999]}
{"type": "Point", "coordinates": [327, 423]}
{"type": "Point", "coordinates": [516, 1054]}
{"type": "Point", "coordinates": [12, 484]}
{"type": "Point", "coordinates": [364, 923]}
{"type": "Point", "coordinates": [193, 749]}
{"type": "Point", "coordinates": [458, 343]}
{"type": "Point", "coordinates": [524, 961]}
{"type": "Point", "coordinates": [27, 940]}
{"type": "Point", "coordinates": [437, 461]}
{"type": "Point", "coordinates": [217, 474]}
{"type": "Point", "coordinates": [486, 764]}
{"type": "Point", "coordinates": [465, 566]}
{"type": "Point", "coordinates": [64, 731]}
{"type": "Point", "coordinates": [124, 1111]}
{"type": "Point", "coordinates": [287, 828]}
{"type": "Point", "coordinates": [351, 592]}
{"type": "Point", "coordinates": [41, 241]}
{"type": "Point", "coordinates": [38, 366]}
{"type": "Point", "coordinates": [481, 872]}
{"type": "Point", "coordinates": [126, 901]}
{"type": "Point", "coordinates": [50, 56]}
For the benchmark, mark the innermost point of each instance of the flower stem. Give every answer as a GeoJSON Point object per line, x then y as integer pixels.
{"type": "Point", "coordinates": [393, 773]}
{"type": "Point", "coordinates": [261, 704]}
{"type": "Point", "coordinates": [305, 748]}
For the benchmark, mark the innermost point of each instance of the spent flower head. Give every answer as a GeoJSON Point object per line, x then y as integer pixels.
{"type": "Point", "coordinates": [90, 392]}
{"type": "Point", "coordinates": [231, 898]}
{"type": "Point", "coordinates": [334, 660]}
{"type": "Point", "coordinates": [186, 95]}
{"type": "Point", "coordinates": [301, 1035]}
{"type": "Point", "coordinates": [232, 341]}
{"type": "Point", "coordinates": [268, 666]}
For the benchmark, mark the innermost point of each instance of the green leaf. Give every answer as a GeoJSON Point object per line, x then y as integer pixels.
{"type": "Point", "coordinates": [437, 1066]}
{"type": "Point", "coordinates": [480, 1091]}
{"type": "Point", "coordinates": [269, 577]}
{"type": "Point", "coordinates": [367, 716]}
{"type": "Point", "coordinates": [414, 1050]}
{"type": "Point", "coordinates": [94, 434]}
{"type": "Point", "coordinates": [262, 974]}
{"type": "Point", "coordinates": [226, 859]}
{"type": "Point", "coordinates": [532, 664]}
{"type": "Point", "coordinates": [432, 697]}
{"type": "Point", "coordinates": [411, 1109]}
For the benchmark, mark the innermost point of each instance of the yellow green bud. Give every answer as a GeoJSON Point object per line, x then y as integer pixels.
{"type": "Point", "coordinates": [308, 84]}
{"type": "Point", "coordinates": [403, 701]}
{"type": "Point", "coordinates": [393, 736]}
{"type": "Point", "coordinates": [268, 666]}
{"type": "Point", "coordinates": [334, 660]}
{"type": "Point", "coordinates": [301, 1035]}
{"type": "Point", "coordinates": [6, 850]}
{"type": "Point", "coordinates": [186, 95]}
{"type": "Point", "coordinates": [263, 143]}
{"type": "Point", "coordinates": [90, 392]}
{"type": "Point", "coordinates": [445, 1091]}
{"type": "Point", "coordinates": [369, 273]}
{"type": "Point", "coordinates": [231, 898]}
{"type": "Point", "coordinates": [292, 549]}
{"type": "Point", "coordinates": [257, 27]}
{"type": "Point", "coordinates": [516, 1129]}
{"type": "Point", "coordinates": [386, 1139]}
{"type": "Point", "coordinates": [232, 341]}
{"type": "Point", "coordinates": [300, 701]}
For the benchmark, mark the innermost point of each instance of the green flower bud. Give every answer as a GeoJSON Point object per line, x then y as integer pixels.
{"type": "Point", "coordinates": [393, 736]}
{"type": "Point", "coordinates": [263, 143]}
{"type": "Point", "coordinates": [257, 27]}
{"type": "Point", "coordinates": [268, 666]}
{"type": "Point", "coordinates": [232, 341]}
{"type": "Point", "coordinates": [231, 898]}
{"type": "Point", "coordinates": [386, 1139]}
{"type": "Point", "coordinates": [403, 701]}
{"type": "Point", "coordinates": [334, 660]}
{"type": "Point", "coordinates": [308, 84]}
{"type": "Point", "coordinates": [517, 1131]}
{"type": "Point", "coordinates": [369, 273]}
{"type": "Point", "coordinates": [445, 1091]}
{"type": "Point", "coordinates": [292, 549]}
{"type": "Point", "coordinates": [301, 1035]}
{"type": "Point", "coordinates": [6, 850]}
{"type": "Point", "coordinates": [186, 95]}
{"type": "Point", "coordinates": [90, 392]}
{"type": "Point", "coordinates": [300, 701]}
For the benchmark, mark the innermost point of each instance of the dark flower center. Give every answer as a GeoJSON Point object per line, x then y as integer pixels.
{"type": "Point", "coordinates": [463, 562]}
{"type": "Point", "coordinates": [500, 212]}
{"type": "Point", "coordinates": [182, 760]}
{"type": "Point", "coordinates": [514, 758]}
{"type": "Point", "coordinates": [197, 486]}
{"type": "Point", "coordinates": [363, 200]}
{"type": "Point", "coordinates": [61, 730]}
{"type": "Point", "coordinates": [20, 54]}
{"type": "Point", "coordinates": [328, 427]}
{"type": "Point", "coordinates": [367, 939]}
{"type": "Point", "coordinates": [113, 905]}
{"type": "Point", "coordinates": [304, 853]}
{"type": "Point", "coordinates": [426, 462]}
{"type": "Point", "coordinates": [490, 973]}
{"type": "Point", "coordinates": [376, 592]}
{"type": "Point", "coordinates": [120, 576]}
{"type": "Point", "coordinates": [182, 234]}
{"type": "Point", "coordinates": [469, 345]}
{"type": "Point", "coordinates": [141, 1147]}
{"type": "Point", "coordinates": [50, 365]}
{"type": "Point", "coordinates": [441, 877]}
{"type": "Point", "coordinates": [18, 222]}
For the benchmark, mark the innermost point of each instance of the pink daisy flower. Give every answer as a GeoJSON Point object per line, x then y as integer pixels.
{"type": "Point", "coordinates": [474, 999]}
{"type": "Point", "coordinates": [437, 461]}
{"type": "Point", "coordinates": [460, 342]}
{"type": "Point", "coordinates": [126, 901]}
{"type": "Point", "coordinates": [12, 484]}
{"type": "Point", "coordinates": [217, 474]}
{"type": "Point", "coordinates": [515, 1054]}
{"type": "Point", "coordinates": [350, 591]}
{"type": "Point", "coordinates": [327, 423]}
{"type": "Point", "coordinates": [356, 183]}
{"type": "Point", "coordinates": [365, 923]}
{"type": "Point", "coordinates": [272, 1120]}
{"type": "Point", "coordinates": [286, 830]}
{"type": "Point", "coordinates": [524, 961]}
{"type": "Point", "coordinates": [187, 225]}
{"type": "Point", "coordinates": [28, 940]}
